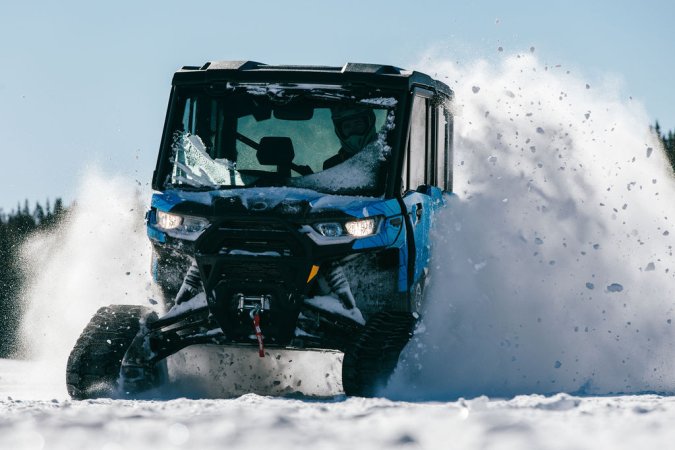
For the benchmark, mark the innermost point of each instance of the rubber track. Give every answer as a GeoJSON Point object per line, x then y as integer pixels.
{"type": "Point", "coordinates": [94, 363]}
{"type": "Point", "coordinates": [369, 363]}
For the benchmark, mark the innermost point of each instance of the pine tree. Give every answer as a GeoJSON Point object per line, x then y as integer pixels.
{"type": "Point", "coordinates": [15, 227]}
{"type": "Point", "coordinates": [38, 214]}
{"type": "Point", "coordinates": [668, 141]}
{"type": "Point", "coordinates": [12, 233]}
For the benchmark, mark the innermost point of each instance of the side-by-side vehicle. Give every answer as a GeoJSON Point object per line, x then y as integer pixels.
{"type": "Point", "coordinates": [292, 210]}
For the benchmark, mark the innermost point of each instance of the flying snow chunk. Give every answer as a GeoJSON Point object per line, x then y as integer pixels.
{"type": "Point", "coordinates": [475, 89]}
{"type": "Point", "coordinates": [649, 151]}
{"type": "Point", "coordinates": [559, 402]}
{"type": "Point", "coordinates": [480, 266]}
{"type": "Point", "coordinates": [590, 285]}
{"type": "Point", "coordinates": [650, 267]}
{"type": "Point", "coordinates": [614, 287]}
{"type": "Point", "coordinates": [540, 130]}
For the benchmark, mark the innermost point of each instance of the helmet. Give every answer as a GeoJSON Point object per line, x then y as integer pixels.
{"type": "Point", "coordinates": [355, 127]}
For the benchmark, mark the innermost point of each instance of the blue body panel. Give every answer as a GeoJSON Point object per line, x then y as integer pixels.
{"type": "Point", "coordinates": [393, 232]}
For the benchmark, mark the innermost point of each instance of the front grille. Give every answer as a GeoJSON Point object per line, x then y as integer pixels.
{"type": "Point", "coordinates": [251, 251]}
{"type": "Point", "coordinates": [252, 271]}
{"type": "Point", "coordinates": [252, 238]}
{"type": "Point", "coordinates": [249, 225]}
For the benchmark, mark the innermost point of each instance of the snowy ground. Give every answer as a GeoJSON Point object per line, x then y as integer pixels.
{"type": "Point", "coordinates": [31, 419]}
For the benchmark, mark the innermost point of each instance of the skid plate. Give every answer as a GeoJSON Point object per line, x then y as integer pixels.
{"type": "Point", "coordinates": [217, 371]}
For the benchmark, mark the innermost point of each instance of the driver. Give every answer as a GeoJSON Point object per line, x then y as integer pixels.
{"type": "Point", "coordinates": [355, 127]}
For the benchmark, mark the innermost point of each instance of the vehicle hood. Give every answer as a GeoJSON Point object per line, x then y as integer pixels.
{"type": "Point", "coordinates": [274, 200]}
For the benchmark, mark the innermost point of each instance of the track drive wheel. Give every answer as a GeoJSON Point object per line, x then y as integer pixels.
{"type": "Point", "coordinates": [94, 364]}
{"type": "Point", "coordinates": [370, 361]}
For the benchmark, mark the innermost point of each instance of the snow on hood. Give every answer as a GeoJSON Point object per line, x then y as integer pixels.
{"type": "Point", "coordinates": [271, 197]}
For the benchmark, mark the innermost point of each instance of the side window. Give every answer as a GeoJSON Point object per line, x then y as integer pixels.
{"type": "Point", "coordinates": [448, 151]}
{"type": "Point", "coordinates": [418, 144]}
{"type": "Point", "coordinates": [439, 150]}
{"type": "Point", "coordinates": [443, 151]}
{"type": "Point", "coordinates": [430, 172]}
{"type": "Point", "coordinates": [428, 159]}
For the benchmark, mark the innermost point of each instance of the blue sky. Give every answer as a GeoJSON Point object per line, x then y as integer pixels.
{"type": "Point", "coordinates": [86, 83]}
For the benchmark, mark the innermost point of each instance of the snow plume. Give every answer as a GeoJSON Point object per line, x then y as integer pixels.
{"type": "Point", "coordinates": [98, 256]}
{"type": "Point", "coordinates": [552, 267]}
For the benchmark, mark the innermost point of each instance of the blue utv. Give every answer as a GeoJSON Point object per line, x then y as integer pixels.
{"type": "Point", "coordinates": [292, 210]}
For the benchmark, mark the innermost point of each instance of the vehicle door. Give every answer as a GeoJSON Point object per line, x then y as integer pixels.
{"type": "Point", "coordinates": [425, 176]}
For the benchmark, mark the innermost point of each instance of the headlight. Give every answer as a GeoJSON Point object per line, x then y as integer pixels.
{"type": "Point", "coordinates": [361, 228]}
{"type": "Point", "coordinates": [181, 224]}
{"type": "Point", "coordinates": [356, 228]}
{"type": "Point", "coordinates": [168, 221]}
{"type": "Point", "coordinates": [331, 229]}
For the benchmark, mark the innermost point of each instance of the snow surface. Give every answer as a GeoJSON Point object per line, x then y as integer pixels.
{"type": "Point", "coordinates": [252, 421]}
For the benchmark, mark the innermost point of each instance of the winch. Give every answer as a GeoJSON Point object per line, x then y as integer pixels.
{"type": "Point", "coordinates": [249, 302]}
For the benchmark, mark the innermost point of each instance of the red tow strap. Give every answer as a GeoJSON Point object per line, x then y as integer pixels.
{"type": "Point", "coordinates": [258, 335]}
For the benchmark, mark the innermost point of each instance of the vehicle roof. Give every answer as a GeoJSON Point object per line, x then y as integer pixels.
{"type": "Point", "coordinates": [377, 75]}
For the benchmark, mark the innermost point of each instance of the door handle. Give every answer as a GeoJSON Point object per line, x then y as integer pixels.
{"type": "Point", "coordinates": [418, 211]}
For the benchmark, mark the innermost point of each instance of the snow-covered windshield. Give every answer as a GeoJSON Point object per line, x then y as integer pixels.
{"type": "Point", "coordinates": [328, 140]}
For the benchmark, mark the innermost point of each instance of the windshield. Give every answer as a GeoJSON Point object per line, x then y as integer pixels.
{"type": "Point", "coordinates": [328, 140]}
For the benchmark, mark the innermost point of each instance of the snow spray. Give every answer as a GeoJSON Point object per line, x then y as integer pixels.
{"type": "Point", "coordinates": [98, 256]}
{"type": "Point", "coordinates": [552, 267]}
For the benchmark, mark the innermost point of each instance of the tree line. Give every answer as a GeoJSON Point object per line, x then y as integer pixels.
{"type": "Point", "coordinates": [668, 141]}
{"type": "Point", "coordinates": [15, 228]}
